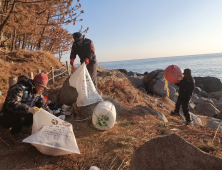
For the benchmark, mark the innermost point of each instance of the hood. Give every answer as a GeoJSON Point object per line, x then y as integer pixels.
{"type": "Point", "coordinates": [26, 80]}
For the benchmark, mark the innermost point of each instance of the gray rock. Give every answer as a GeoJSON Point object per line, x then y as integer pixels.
{"type": "Point", "coordinates": [119, 108]}
{"type": "Point", "coordinates": [217, 95]}
{"type": "Point", "coordinates": [132, 74]}
{"type": "Point", "coordinates": [160, 115]}
{"type": "Point", "coordinates": [158, 89]}
{"type": "Point", "coordinates": [214, 125]}
{"type": "Point", "coordinates": [200, 92]}
{"type": "Point", "coordinates": [210, 84]}
{"type": "Point", "coordinates": [88, 110]}
{"type": "Point", "coordinates": [150, 76]}
{"type": "Point", "coordinates": [172, 152]}
{"type": "Point", "coordinates": [207, 109]}
{"type": "Point", "coordinates": [194, 97]}
{"type": "Point", "coordinates": [143, 90]}
{"type": "Point", "coordinates": [136, 82]}
{"type": "Point", "coordinates": [175, 97]}
{"type": "Point", "coordinates": [123, 71]}
{"type": "Point", "coordinates": [195, 120]}
{"type": "Point", "coordinates": [67, 95]}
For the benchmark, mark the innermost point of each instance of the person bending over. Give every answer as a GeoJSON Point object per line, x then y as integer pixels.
{"type": "Point", "coordinates": [84, 48]}
{"type": "Point", "coordinates": [20, 103]}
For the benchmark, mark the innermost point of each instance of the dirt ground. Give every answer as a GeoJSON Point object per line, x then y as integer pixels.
{"type": "Point", "coordinates": [111, 149]}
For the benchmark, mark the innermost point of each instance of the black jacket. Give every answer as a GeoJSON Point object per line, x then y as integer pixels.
{"type": "Point", "coordinates": [186, 88]}
{"type": "Point", "coordinates": [21, 96]}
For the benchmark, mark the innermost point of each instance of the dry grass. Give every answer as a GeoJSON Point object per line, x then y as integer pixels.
{"type": "Point", "coordinates": [111, 149]}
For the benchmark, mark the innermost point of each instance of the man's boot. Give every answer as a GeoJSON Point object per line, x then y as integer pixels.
{"type": "Point", "coordinates": [175, 113]}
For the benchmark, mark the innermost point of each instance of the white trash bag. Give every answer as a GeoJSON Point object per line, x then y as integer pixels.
{"type": "Point", "coordinates": [104, 115]}
{"type": "Point", "coordinates": [87, 93]}
{"type": "Point", "coordinates": [51, 135]}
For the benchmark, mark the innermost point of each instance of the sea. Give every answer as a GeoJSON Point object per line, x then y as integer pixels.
{"type": "Point", "coordinates": [202, 65]}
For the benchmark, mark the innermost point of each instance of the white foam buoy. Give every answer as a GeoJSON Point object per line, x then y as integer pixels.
{"type": "Point", "coordinates": [104, 115]}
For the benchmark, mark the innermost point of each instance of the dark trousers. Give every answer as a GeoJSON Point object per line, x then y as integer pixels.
{"type": "Point", "coordinates": [92, 69]}
{"type": "Point", "coordinates": [16, 121]}
{"type": "Point", "coordinates": [185, 107]}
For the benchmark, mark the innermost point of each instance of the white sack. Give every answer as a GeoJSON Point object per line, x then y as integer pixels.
{"type": "Point", "coordinates": [87, 93]}
{"type": "Point", "coordinates": [51, 135]}
{"type": "Point", "coordinates": [104, 115]}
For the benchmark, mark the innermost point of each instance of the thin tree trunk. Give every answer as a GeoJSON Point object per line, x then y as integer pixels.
{"type": "Point", "coordinates": [6, 19]}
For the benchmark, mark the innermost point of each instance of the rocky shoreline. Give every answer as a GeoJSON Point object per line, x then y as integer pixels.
{"type": "Point", "coordinates": [206, 99]}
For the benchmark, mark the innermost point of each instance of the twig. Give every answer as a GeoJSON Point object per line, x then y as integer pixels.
{"type": "Point", "coordinates": [121, 163]}
{"type": "Point", "coordinates": [4, 142]}
{"type": "Point", "coordinates": [216, 132]}
{"type": "Point", "coordinates": [112, 163]}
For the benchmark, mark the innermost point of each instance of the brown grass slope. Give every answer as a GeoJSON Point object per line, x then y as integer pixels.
{"type": "Point", "coordinates": [111, 149]}
{"type": "Point", "coordinates": [14, 63]}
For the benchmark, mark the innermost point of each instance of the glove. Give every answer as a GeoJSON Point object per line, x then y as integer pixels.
{"type": "Point", "coordinates": [72, 62]}
{"type": "Point", "coordinates": [86, 61]}
{"type": "Point", "coordinates": [179, 78]}
{"type": "Point", "coordinates": [34, 110]}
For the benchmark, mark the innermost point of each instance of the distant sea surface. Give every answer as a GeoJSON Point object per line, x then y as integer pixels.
{"type": "Point", "coordinates": [201, 65]}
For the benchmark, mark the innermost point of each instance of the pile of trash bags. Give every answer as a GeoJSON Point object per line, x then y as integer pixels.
{"type": "Point", "coordinates": [52, 135]}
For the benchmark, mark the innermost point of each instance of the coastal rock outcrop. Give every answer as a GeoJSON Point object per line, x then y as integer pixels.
{"type": "Point", "coordinates": [200, 92]}
{"type": "Point", "coordinates": [172, 152]}
{"type": "Point", "coordinates": [208, 84]}
{"type": "Point", "coordinates": [154, 83]}
{"type": "Point", "coordinates": [217, 95]}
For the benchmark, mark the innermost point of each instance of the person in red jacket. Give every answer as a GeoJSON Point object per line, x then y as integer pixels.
{"type": "Point", "coordinates": [84, 48]}
{"type": "Point", "coordinates": [21, 102]}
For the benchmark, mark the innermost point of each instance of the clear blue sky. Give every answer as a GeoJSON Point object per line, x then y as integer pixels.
{"type": "Point", "coordinates": [129, 29]}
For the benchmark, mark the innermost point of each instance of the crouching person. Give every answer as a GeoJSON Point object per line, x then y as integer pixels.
{"type": "Point", "coordinates": [20, 103]}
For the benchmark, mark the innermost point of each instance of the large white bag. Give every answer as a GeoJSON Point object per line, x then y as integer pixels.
{"type": "Point", "coordinates": [104, 115]}
{"type": "Point", "coordinates": [87, 93]}
{"type": "Point", "coordinates": [51, 135]}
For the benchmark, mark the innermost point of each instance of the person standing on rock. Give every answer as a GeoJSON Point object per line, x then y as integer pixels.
{"type": "Point", "coordinates": [186, 88]}
{"type": "Point", "coordinates": [22, 101]}
{"type": "Point", "coordinates": [84, 48]}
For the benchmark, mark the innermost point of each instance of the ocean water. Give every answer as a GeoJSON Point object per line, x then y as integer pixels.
{"type": "Point", "coordinates": [201, 65]}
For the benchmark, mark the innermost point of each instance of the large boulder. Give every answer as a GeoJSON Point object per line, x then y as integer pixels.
{"type": "Point", "coordinates": [88, 110]}
{"type": "Point", "coordinates": [208, 84]}
{"type": "Point", "coordinates": [136, 82]}
{"type": "Point", "coordinates": [132, 74]}
{"type": "Point", "coordinates": [195, 120]}
{"type": "Point", "coordinates": [158, 89]}
{"type": "Point", "coordinates": [217, 95]}
{"type": "Point", "coordinates": [160, 115]}
{"type": "Point", "coordinates": [147, 79]}
{"type": "Point", "coordinates": [207, 109]}
{"type": "Point", "coordinates": [172, 152]}
{"type": "Point", "coordinates": [67, 95]}
{"type": "Point", "coordinates": [154, 83]}
{"type": "Point", "coordinates": [214, 124]}
{"type": "Point", "coordinates": [200, 92]}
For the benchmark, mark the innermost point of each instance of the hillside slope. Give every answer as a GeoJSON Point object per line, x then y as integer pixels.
{"type": "Point", "coordinates": [111, 149]}
{"type": "Point", "coordinates": [14, 63]}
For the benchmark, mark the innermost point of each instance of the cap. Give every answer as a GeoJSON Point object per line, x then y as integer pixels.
{"type": "Point", "coordinates": [41, 79]}
{"type": "Point", "coordinates": [77, 36]}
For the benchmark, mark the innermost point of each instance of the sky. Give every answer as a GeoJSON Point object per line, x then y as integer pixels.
{"type": "Point", "coordinates": [129, 29]}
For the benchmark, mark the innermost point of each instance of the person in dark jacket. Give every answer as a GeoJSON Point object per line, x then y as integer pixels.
{"type": "Point", "coordinates": [21, 102]}
{"type": "Point", "coordinates": [84, 48]}
{"type": "Point", "coordinates": [186, 88]}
